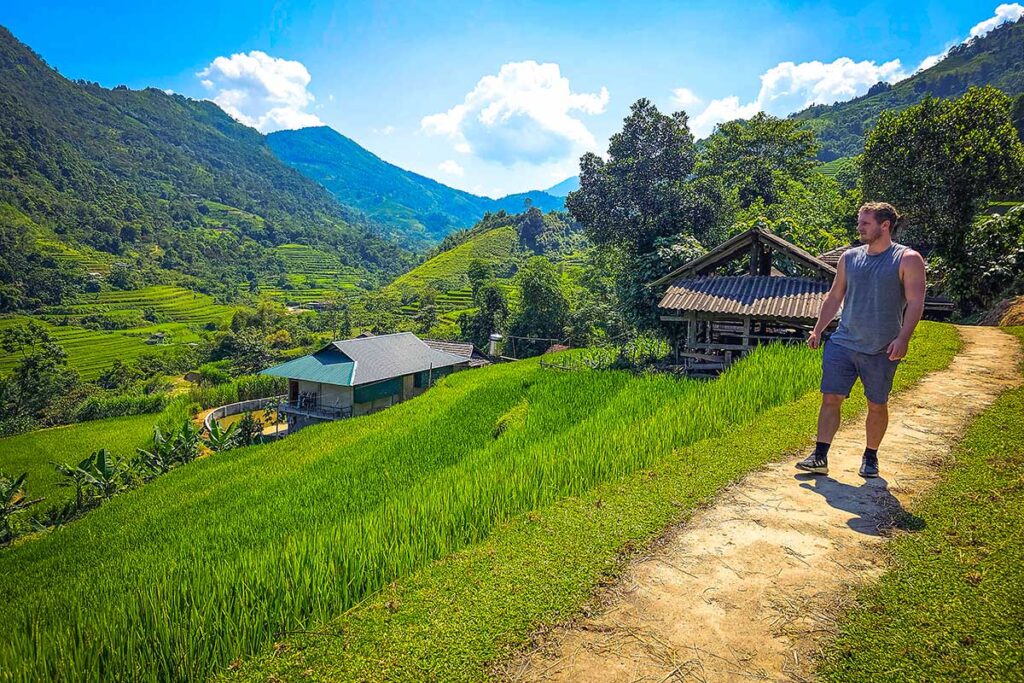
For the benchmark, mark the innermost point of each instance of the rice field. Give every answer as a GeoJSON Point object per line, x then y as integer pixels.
{"type": "Point", "coordinates": [448, 270]}
{"type": "Point", "coordinates": [312, 275]}
{"type": "Point", "coordinates": [213, 561]}
{"type": "Point", "coordinates": [170, 302]}
{"type": "Point", "coordinates": [35, 452]}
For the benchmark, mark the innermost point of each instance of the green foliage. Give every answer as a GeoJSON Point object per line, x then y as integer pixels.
{"type": "Point", "coordinates": [644, 193]}
{"type": "Point", "coordinates": [393, 491]}
{"type": "Point", "coordinates": [543, 308]}
{"type": "Point", "coordinates": [993, 60]}
{"type": "Point", "coordinates": [748, 156]}
{"type": "Point", "coordinates": [993, 264]}
{"type": "Point", "coordinates": [222, 438]}
{"type": "Point", "coordinates": [41, 376]}
{"type": "Point", "coordinates": [12, 500]}
{"type": "Point", "coordinates": [949, 609]}
{"type": "Point", "coordinates": [492, 311]}
{"type": "Point", "coordinates": [940, 162]}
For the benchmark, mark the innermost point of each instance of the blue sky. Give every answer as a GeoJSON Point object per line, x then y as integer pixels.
{"type": "Point", "coordinates": [494, 97]}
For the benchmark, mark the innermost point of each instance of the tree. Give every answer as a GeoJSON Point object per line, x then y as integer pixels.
{"type": "Point", "coordinates": [531, 228]}
{"type": "Point", "coordinates": [40, 377]}
{"type": "Point", "coordinates": [746, 155]}
{"type": "Point", "coordinates": [993, 266]}
{"type": "Point", "coordinates": [543, 306]}
{"type": "Point", "coordinates": [490, 316]}
{"type": "Point", "coordinates": [250, 430]}
{"type": "Point", "coordinates": [250, 353]}
{"type": "Point", "coordinates": [645, 192]}
{"type": "Point", "coordinates": [940, 162]}
{"type": "Point", "coordinates": [479, 272]}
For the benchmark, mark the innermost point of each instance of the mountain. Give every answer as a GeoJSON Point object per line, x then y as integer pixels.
{"type": "Point", "coordinates": [563, 188]}
{"type": "Point", "coordinates": [412, 208]}
{"type": "Point", "coordinates": [169, 184]}
{"type": "Point", "coordinates": [994, 59]}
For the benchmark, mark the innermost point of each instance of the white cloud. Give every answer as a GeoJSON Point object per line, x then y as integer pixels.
{"type": "Point", "coordinates": [267, 93]}
{"type": "Point", "coordinates": [524, 113]}
{"type": "Point", "coordinates": [789, 87]}
{"type": "Point", "coordinates": [684, 98]}
{"type": "Point", "coordinates": [451, 167]}
{"type": "Point", "coordinates": [386, 130]}
{"type": "Point", "coordinates": [1004, 13]}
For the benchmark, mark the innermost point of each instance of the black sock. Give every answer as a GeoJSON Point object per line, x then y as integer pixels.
{"type": "Point", "coordinates": [821, 449]}
{"type": "Point", "coordinates": [871, 452]}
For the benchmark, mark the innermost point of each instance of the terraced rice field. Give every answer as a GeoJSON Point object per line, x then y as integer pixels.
{"type": "Point", "coordinates": [313, 275]}
{"type": "Point", "coordinates": [212, 562]}
{"type": "Point", "coordinates": [447, 271]}
{"type": "Point", "coordinates": [93, 351]}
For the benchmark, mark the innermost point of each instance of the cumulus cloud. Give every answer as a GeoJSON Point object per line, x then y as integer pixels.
{"type": "Point", "coordinates": [1004, 13]}
{"type": "Point", "coordinates": [451, 167]}
{"type": "Point", "coordinates": [789, 87]}
{"type": "Point", "coordinates": [527, 112]}
{"type": "Point", "coordinates": [684, 98]}
{"type": "Point", "coordinates": [267, 93]}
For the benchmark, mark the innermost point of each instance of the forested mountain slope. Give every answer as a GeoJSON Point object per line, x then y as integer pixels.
{"type": "Point", "coordinates": [162, 180]}
{"type": "Point", "coordinates": [995, 59]}
{"type": "Point", "coordinates": [414, 209]}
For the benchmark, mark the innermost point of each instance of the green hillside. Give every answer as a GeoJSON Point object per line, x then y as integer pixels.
{"type": "Point", "coordinates": [217, 560]}
{"type": "Point", "coordinates": [412, 208]}
{"type": "Point", "coordinates": [995, 59]}
{"type": "Point", "coordinates": [448, 270]}
{"type": "Point", "coordinates": [171, 185]}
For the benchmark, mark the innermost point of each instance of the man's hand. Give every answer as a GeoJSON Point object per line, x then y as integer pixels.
{"type": "Point", "coordinates": [897, 349]}
{"type": "Point", "coordinates": [814, 341]}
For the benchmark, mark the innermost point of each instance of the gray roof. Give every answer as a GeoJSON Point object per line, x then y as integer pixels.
{"type": "Point", "coordinates": [365, 360]}
{"type": "Point", "coordinates": [753, 295]}
{"type": "Point", "coordinates": [463, 349]}
{"type": "Point", "coordinates": [392, 355]}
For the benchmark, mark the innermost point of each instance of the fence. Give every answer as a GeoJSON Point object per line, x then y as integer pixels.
{"type": "Point", "coordinates": [242, 407]}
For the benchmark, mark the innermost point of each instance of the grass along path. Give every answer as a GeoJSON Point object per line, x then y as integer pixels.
{"type": "Point", "coordinates": [453, 620]}
{"type": "Point", "coordinates": [952, 606]}
{"type": "Point", "coordinates": [747, 587]}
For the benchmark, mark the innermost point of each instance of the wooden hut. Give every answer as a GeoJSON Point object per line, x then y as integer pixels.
{"type": "Point", "coordinates": [752, 289]}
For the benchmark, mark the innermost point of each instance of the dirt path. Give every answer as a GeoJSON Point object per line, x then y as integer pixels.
{"type": "Point", "coordinates": [746, 589]}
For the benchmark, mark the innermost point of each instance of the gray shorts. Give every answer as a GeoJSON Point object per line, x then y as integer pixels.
{"type": "Point", "coordinates": [840, 368]}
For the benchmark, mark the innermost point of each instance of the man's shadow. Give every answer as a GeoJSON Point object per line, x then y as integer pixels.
{"type": "Point", "coordinates": [877, 510]}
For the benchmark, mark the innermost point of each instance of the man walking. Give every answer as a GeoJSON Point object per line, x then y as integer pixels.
{"type": "Point", "coordinates": [881, 287]}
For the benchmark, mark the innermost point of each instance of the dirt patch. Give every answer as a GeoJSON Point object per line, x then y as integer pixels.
{"type": "Point", "coordinates": [1007, 313]}
{"type": "Point", "coordinates": [748, 587]}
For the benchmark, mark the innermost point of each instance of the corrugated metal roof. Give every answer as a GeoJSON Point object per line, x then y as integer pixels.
{"type": "Point", "coordinates": [755, 295]}
{"type": "Point", "coordinates": [353, 362]}
{"type": "Point", "coordinates": [329, 366]}
{"type": "Point", "coordinates": [392, 355]}
{"type": "Point", "coordinates": [463, 349]}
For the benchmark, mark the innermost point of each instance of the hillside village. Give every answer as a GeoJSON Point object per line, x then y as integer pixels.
{"type": "Point", "coordinates": [260, 389]}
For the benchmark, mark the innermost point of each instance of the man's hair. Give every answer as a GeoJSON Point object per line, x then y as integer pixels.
{"type": "Point", "coordinates": [883, 211]}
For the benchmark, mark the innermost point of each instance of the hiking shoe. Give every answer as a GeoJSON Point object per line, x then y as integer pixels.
{"type": "Point", "coordinates": [869, 466]}
{"type": "Point", "coordinates": [814, 463]}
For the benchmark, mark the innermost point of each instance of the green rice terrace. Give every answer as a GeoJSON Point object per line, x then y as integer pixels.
{"type": "Point", "coordinates": [141, 315]}
{"type": "Point", "coordinates": [311, 275]}
{"type": "Point", "coordinates": [208, 563]}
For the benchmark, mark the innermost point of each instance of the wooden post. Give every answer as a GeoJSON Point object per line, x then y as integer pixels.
{"type": "Point", "coordinates": [746, 330]}
{"type": "Point", "coordinates": [755, 256]}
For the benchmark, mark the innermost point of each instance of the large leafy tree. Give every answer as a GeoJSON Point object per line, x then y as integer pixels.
{"type": "Point", "coordinates": [940, 162]}
{"type": "Point", "coordinates": [755, 157]}
{"type": "Point", "coordinates": [645, 192]}
{"type": "Point", "coordinates": [544, 308]}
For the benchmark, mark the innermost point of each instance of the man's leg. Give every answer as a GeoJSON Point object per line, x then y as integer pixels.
{"type": "Point", "coordinates": [829, 416]}
{"type": "Point", "coordinates": [878, 420]}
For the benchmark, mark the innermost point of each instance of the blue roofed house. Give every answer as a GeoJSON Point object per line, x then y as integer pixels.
{"type": "Point", "coordinates": [358, 376]}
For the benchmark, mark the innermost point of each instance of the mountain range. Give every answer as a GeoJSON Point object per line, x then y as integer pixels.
{"type": "Point", "coordinates": [413, 209]}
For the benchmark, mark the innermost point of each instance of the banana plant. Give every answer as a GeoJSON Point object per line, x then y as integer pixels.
{"type": "Point", "coordinates": [221, 438]}
{"type": "Point", "coordinates": [186, 442]}
{"type": "Point", "coordinates": [12, 499]}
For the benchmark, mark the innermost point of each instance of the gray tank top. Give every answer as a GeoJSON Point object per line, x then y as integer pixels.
{"type": "Point", "coordinates": [874, 303]}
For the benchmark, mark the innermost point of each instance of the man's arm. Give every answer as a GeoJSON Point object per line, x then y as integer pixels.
{"type": "Point", "coordinates": [830, 306]}
{"type": "Point", "coordinates": [913, 274]}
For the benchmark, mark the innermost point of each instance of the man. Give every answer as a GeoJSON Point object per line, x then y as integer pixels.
{"type": "Point", "coordinates": [881, 287]}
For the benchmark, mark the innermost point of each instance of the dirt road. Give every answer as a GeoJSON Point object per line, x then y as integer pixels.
{"type": "Point", "coordinates": [746, 588]}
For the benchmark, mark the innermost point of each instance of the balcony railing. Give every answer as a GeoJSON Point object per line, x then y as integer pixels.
{"type": "Point", "coordinates": [312, 407]}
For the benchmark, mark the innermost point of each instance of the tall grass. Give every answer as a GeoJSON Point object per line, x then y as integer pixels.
{"type": "Point", "coordinates": [214, 561]}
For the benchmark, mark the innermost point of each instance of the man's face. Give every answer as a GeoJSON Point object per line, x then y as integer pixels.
{"type": "Point", "coordinates": [868, 228]}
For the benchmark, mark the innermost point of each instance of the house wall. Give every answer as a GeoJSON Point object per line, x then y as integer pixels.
{"type": "Point", "coordinates": [331, 395]}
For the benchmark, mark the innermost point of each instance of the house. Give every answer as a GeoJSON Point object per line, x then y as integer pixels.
{"type": "Point", "coordinates": [721, 308]}
{"type": "Point", "coordinates": [358, 376]}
